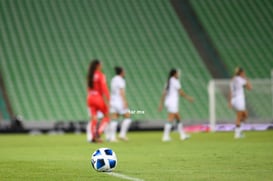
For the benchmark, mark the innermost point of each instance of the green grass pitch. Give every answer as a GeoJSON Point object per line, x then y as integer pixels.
{"type": "Point", "coordinates": [206, 156]}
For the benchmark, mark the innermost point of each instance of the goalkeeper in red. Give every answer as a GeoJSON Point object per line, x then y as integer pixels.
{"type": "Point", "coordinates": [237, 98]}
{"type": "Point", "coordinates": [97, 101]}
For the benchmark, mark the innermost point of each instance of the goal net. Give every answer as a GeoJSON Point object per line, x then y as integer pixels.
{"type": "Point", "coordinates": [259, 102]}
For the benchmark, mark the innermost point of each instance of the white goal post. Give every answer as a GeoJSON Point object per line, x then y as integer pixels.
{"type": "Point", "coordinates": [259, 102]}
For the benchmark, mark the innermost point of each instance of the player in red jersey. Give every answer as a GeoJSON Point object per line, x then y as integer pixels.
{"type": "Point", "coordinates": [97, 101]}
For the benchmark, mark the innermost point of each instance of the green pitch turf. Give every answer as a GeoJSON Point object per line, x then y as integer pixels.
{"type": "Point", "coordinates": [206, 156]}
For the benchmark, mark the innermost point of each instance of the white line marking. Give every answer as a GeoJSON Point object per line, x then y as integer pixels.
{"type": "Point", "coordinates": [123, 176]}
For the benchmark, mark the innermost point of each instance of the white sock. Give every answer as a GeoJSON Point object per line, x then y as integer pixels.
{"type": "Point", "coordinates": [125, 125]}
{"type": "Point", "coordinates": [180, 128]}
{"type": "Point", "coordinates": [88, 132]}
{"type": "Point", "coordinates": [107, 132]}
{"type": "Point", "coordinates": [166, 132]}
{"type": "Point", "coordinates": [238, 131]}
{"type": "Point", "coordinates": [113, 130]}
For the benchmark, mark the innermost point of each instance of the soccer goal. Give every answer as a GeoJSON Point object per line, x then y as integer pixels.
{"type": "Point", "coordinates": [259, 102]}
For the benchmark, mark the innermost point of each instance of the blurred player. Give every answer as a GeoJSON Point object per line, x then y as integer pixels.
{"type": "Point", "coordinates": [97, 101]}
{"type": "Point", "coordinates": [170, 97]}
{"type": "Point", "coordinates": [237, 98]}
{"type": "Point", "coordinates": [118, 107]}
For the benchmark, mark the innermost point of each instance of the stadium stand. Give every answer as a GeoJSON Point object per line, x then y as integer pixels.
{"type": "Point", "coordinates": [5, 110]}
{"type": "Point", "coordinates": [4, 115]}
{"type": "Point", "coordinates": [200, 39]}
{"type": "Point", "coordinates": [46, 47]}
{"type": "Point", "coordinates": [241, 31]}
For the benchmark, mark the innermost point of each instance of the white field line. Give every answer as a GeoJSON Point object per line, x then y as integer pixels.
{"type": "Point", "coordinates": [123, 176]}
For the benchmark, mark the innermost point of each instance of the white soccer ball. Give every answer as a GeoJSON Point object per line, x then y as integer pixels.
{"type": "Point", "coordinates": [104, 160]}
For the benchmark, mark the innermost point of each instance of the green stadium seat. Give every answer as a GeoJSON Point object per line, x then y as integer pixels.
{"type": "Point", "coordinates": [47, 47]}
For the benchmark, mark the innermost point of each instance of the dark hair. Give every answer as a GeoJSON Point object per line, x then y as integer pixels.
{"type": "Point", "coordinates": [171, 73]}
{"type": "Point", "coordinates": [118, 70]}
{"type": "Point", "coordinates": [91, 70]}
{"type": "Point", "coordinates": [238, 70]}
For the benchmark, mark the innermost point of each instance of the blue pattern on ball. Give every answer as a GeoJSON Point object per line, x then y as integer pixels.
{"type": "Point", "coordinates": [100, 163]}
{"type": "Point", "coordinates": [112, 163]}
{"type": "Point", "coordinates": [97, 153]}
{"type": "Point", "coordinates": [104, 160]}
{"type": "Point", "coordinates": [108, 152]}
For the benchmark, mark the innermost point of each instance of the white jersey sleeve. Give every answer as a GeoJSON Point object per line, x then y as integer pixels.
{"type": "Point", "coordinates": [177, 85]}
{"type": "Point", "coordinates": [122, 84]}
{"type": "Point", "coordinates": [117, 84]}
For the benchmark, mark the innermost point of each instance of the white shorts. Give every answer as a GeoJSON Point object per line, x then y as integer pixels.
{"type": "Point", "coordinates": [172, 107]}
{"type": "Point", "coordinates": [117, 107]}
{"type": "Point", "coordinates": [238, 104]}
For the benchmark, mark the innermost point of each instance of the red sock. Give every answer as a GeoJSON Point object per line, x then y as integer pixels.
{"type": "Point", "coordinates": [103, 124]}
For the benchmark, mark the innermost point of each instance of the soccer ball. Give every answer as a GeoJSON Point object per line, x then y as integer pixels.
{"type": "Point", "coordinates": [104, 160]}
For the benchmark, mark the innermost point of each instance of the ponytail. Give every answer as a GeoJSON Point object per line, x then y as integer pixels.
{"type": "Point", "coordinates": [171, 73]}
{"type": "Point", "coordinates": [91, 70]}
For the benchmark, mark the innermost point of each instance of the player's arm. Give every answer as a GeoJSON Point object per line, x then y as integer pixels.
{"type": "Point", "coordinates": [162, 100]}
{"type": "Point", "coordinates": [122, 94]}
{"type": "Point", "coordinates": [186, 96]}
{"type": "Point", "coordinates": [248, 85]}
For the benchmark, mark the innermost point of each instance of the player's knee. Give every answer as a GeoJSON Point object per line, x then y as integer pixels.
{"type": "Point", "coordinates": [113, 116]}
{"type": "Point", "coordinates": [127, 115]}
{"type": "Point", "coordinates": [245, 115]}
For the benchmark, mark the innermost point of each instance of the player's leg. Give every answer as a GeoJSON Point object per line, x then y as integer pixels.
{"type": "Point", "coordinates": [238, 124]}
{"type": "Point", "coordinates": [125, 125]}
{"type": "Point", "coordinates": [183, 135]}
{"type": "Point", "coordinates": [168, 127]}
{"type": "Point", "coordinates": [107, 131]}
{"type": "Point", "coordinates": [113, 126]}
{"type": "Point", "coordinates": [105, 120]}
{"type": "Point", "coordinates": [89, 136]}
{"type": "Point", "coordinates": [241, 116]}
{"type": "Point", "coordinates": [92, 126]}
{"type": "Point", "coordinates": [244, 116]}
{"type": "Point", "coordinates": [240, 120]}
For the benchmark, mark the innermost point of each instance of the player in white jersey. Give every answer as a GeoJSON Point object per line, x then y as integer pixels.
{"type": "Point", "coordinates": [170, 97]}
{"type": "Point", "coordinates": [118, 106]}
{"type": "Point", "coordinates": [237, 98]}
